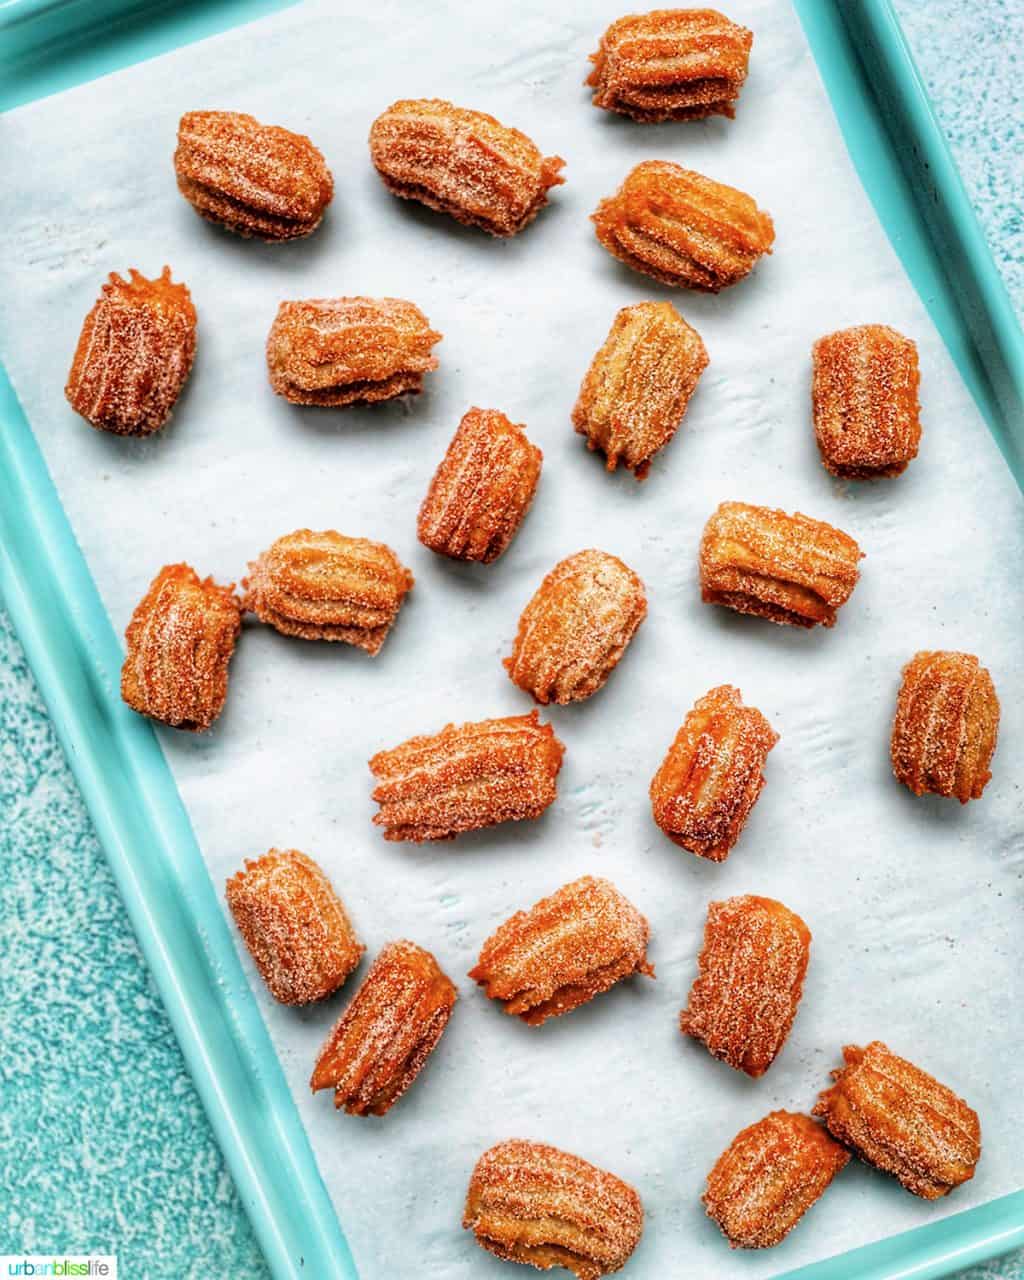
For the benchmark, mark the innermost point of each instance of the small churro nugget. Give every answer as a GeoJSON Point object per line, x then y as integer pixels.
{"type": "Point", "coordinates": [708, 782]}
{"type": "Point", "coordinates": [671, 64]}
{"type": "Point", "coordinates": [565, 950]}
{"type": "Point", "coordinates": [178, 645]}
{"type": "Point", "coordinates": [254, 179]}
{"type": "Point", "coordinates": [902, 1120]}
{"type": "Point", "coordinates": [787, 568]}
{"type": "Point", "coordinates": [864, 392]}
{"type": "Point", "coordinates": [482, 489]}
{"type": "Point", "coordinates": [338, 351]}
{"type": "Point", "coordinates": [636, 390]}
{"type": "Point", "coordinates": [576, 627]}
{"type": "Point", "coordinates": [534, 1204]}
{"type": "Point", "coordinates": [769, 1176]}
{"type": "Point", "coordinates": [463, 163]}
{"type": "Point", "coordinates": [947, 721]}
{"type": "Point", "coordinates": [751, 977]}
{"type": "Point", "coordinates": [294, 925]}
{"type": "Point", "coordinates": [324, 586]}
{"type": "Point", "coordinates": [134, 354]}
{"type": "Point", "coordinates": [682, 228]}
{"type": "Point", "coordinates": [467, 777]}
{"type": "Point", "coordinates": [383, 1039]}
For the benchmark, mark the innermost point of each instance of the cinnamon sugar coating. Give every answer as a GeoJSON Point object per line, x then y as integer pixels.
{"type": "Point", "coordinates": [463, 163]}
{"type": "Point", "coordinates": [383, 1039]}
{"type": "Point", "coordinates": [682, 228]}
{"type": "Point", "coordinates": [338, 351]}
{"type": "Point", "coordinates": [254, 179]}
{"type": "Point", "coordinates": [751, 977]}
{"type": "Point", "coordinates": [636, 391]}
{"type": "Point", "coordinates": [177, 648]}
{"type": "Point", "coordinates": [708, 782]}
{"type": "Point", "coordinates": [482, 489]}
{"type": "Point", "coordinates": [671, 64]}
{"type": "Point", "coordinates": [294, 925]}
{"type": "Point", "coordinates": [576, 627]}
{"type": "Point", "coordinates": [324, 586]}
{"type": "Point", "coordinates": [864, 392]}
{"type": "Point", "coordinates": [134, 354]}
{"type": "Point", "coordinates": [902, 1120]}
{"type": "Point", "coordinates": [946, 725]}
{"type": "Point", "coordinates": [787, 568]}
{"type": "Point", "coordinates": [565, 950]}
{"type": "Point", "coordinates": [466, 777]}
{"type": "Point", "coordinates": [769, 1176]}
{"type": "Point", "coordinates": [531, 1203]}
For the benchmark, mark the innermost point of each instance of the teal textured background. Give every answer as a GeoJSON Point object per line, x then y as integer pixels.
{"type": "Point", "coordinates": [106, 1146]}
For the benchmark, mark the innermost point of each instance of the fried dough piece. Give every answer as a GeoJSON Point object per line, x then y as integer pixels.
{"type": "Point", "coordinates": [671, 64]}
{"type": "Point", "coordinates": [324, 586]}
{"type": "Point", "coordinates": [294, 925]}
{"type": "Point", "coordinates": [708, 782]}
{"type": "Point", "coordinates": [467, 777]}
{"type": "Point", "coordinates": [338, 351]}
{"type": "Point", "coordinates": [769, 1176]}
{"type": "Point", "coordinates": [751, 977]}
{"type": "Point", "coordinates": [636, 391]}
{"type": "Point", "coordinates": [482, 490]}
{"type": "Point", "coordinates": [576, 627]}
{"type": "Point", "coordinates": [902, 1120]}
{"type": "Point", "coordinates": [534, 1204]}
{"type": "Point", "coordinates": [254, 179]}
{"type": "Point", "coordinates": [864, 392]}
{"type": "Point", "coordinates": [787, 568]}
{"type": "Point", "coordinates": [177, 648]}
{"type": "Point", "coordinates": [682, 228]}
{"type": "Point", "coordinates": [383, 1039]}
{"type": "Point", "coordinates": [565, 950]}
{"type": "Point", "coordinates": [134, 354]}
{"type": "Point", "coordinates": [946, 725]}
{"type": "Point", "coordinates": [463, 163]}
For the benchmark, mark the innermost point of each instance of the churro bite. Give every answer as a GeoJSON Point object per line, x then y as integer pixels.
{"type": "Point", "coordinates": [864, 391]}
{"type": "Point", "coordinates": [134, 354]}
{"type": "Point", "coordinates": [466, 777]}
{"type": "Point", "coordinates": [534, 1204]}
{"type": "Point", "coordinates": [463, 163]}
{"type": "Point", "coordinates": [635, 393]}
{"type": "Point", "coordinates": [787, 568]}
{"type": "Point", "coordinates": [750, 979]}
{"type": "Point", "coordinates": [682, 228]}
{"type": "Point", "coordinates": [576, 627]}
{"type": "Point", "coordinates": [708, 782]}
{"type": "Point", "coordinates": [294, 925]}
{"type": "Point", "coordinates": [482, 490]}
{"type": "Point", "coordinates": [671, 64]}
{"type": "Point", "coordinates": [383, 1039]}
{"type": "Point", "coordinates": [769, 1176]}
{"type": "Point", "coordinates": [254, 179]}
{"type": "Point", "coordinates": [902, 1120]}
{"type": "Point", "coordinates": [178, 645]}
{"type": "Point", "coordinates": [324, 586]}
{"type": "Point", "coordinates": [565, 950]}
{"type": "Point", "coordinates": [947, 721]}
{"type": "Point", "coordinates": [339, 351]}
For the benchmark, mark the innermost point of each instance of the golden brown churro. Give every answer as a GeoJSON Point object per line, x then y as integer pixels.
{"type": "Point", "coordinates": [902, 1120]}
{"type": "Point", "coordinates": [565, 950]}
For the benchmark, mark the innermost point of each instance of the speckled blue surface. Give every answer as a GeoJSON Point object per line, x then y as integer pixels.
{"type": "Point", "coordinates": [106, 1148]}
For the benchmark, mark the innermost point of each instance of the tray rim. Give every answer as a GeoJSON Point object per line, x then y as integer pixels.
{"type": "Point", "coordinates": [116, 758]}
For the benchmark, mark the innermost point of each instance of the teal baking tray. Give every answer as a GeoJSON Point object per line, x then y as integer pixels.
{"type": "Point", "coordinates": [901, 157]}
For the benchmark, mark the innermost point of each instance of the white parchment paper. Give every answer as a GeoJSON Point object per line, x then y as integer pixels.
{"type": "Point", "coordinates": [914, 903]}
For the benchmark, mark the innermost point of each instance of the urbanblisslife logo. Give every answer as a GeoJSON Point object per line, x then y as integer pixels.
{"type": "Point", "coordinates": [35, 1265]}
